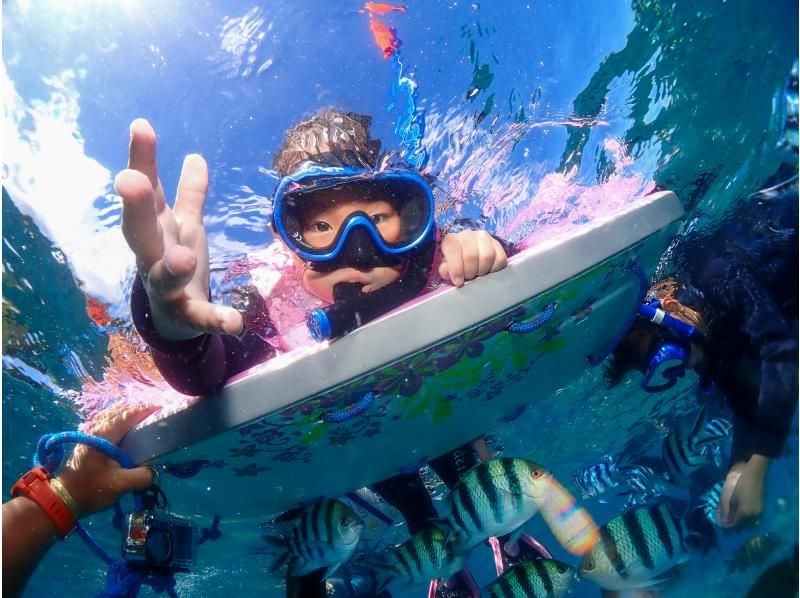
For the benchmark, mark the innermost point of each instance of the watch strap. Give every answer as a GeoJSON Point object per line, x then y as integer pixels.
{"type": "Point", "coordinates": [35, 485]}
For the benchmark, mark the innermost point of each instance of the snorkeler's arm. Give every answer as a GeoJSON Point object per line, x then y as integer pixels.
{"type": "Point", "coordinates": [742, 295]}
{"type": "Point", "coordinates": [170, 242]}
{"type": "Point", "coordinates": [94, 482]}
{"type": "Point", "coordinates": [200, 365]}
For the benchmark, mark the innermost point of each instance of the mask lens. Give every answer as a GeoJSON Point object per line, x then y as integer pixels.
{"type": "Point", "coordinates": [394, 208]}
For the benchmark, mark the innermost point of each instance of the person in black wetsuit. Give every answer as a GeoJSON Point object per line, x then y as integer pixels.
{"type": "Point", "coordinates": [738, 287]}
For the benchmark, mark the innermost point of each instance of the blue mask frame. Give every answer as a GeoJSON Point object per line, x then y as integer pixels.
{"type": "Point", "coordinates": [313, 177]}
{"type": "Point", "coordinates": [669, 360]}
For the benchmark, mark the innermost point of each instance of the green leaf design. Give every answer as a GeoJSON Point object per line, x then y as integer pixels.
{"type": "Point", "coordinates": [406, 402]}
{"type": "Point", "coordinates": [315, 433]}
{"type": "Point", "coordinates": [551, 346]}
{"type": "Point", "coordinates": [442, 411]}
{"type": "Point", "coordinates": [420, 408]}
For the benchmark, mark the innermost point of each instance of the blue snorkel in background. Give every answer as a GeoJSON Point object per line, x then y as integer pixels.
{"type": "Point", "coordinates": [670, 357]}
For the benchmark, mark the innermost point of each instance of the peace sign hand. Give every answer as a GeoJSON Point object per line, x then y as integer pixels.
{"type": "Point", "coordinates": [170, 244]}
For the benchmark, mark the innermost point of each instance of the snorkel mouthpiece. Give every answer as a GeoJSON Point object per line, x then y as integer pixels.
{"type": "Point", "coordinates": [353, 308]}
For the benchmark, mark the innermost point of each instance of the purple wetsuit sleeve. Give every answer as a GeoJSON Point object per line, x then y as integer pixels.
{"type": "Point", "coordinates": [201, 365]}
{"type": "Point", "coordinates": [509, 247]}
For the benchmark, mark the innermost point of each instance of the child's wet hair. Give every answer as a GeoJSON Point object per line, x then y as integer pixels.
{"type": "Point", "coordinates": [329, 138]}
{"type": "Point", "coordinates": [631, 352]}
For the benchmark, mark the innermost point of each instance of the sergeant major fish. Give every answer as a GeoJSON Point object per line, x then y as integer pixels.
{"type": "Point", "coordinates": [637, 548]}
{"type": "Point", "coordinates": [684, 451]}
{"type": "Point", "coordinates": [429, 554]}
{"type": "Point", "coordinates": [323, 535]}
{"type": "Point", "coordinates": [709, 502]}
{"type": "Point", "coordinates": [494, 498]}
{"type": "Point", "coordinates": [539, 578]}
{"type": "Point", "coordinates": [597, 479]}
{"type": "Point", "coordinates": [755, 551]}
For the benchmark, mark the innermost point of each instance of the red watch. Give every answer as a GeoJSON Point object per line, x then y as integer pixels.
{"type": "Point", "coordinates": [35, 485]}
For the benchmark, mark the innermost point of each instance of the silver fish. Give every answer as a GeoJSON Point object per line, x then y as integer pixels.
{"type": "Point", "coordinates": [494, 498]}
{"type": "Point", "coordinates": [539, 578]}
{"type": "Point", "coordinates": [323, 535]}
{"type": "Point", "coordinates": [427, 555]}
{"type": "Point", "coordinates": [636, 548]}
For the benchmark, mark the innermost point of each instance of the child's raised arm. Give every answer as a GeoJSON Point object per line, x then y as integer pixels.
{"type": "Point", "coordinates": [170, 244]}
{"type": "Point", "coordinates": [188, 335]}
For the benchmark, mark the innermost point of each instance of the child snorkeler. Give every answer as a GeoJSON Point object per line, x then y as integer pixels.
{"type": "Point", "coordinates": [363, 241]}
{"type": "Point", "coordinates": [731, 315]}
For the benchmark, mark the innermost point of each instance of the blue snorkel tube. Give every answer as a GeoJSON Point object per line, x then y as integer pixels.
{"type": "Point", "coordinates": [669, 360]}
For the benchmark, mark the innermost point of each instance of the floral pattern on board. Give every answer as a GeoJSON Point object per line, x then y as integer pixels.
{"type": "Point", "coordinates": [476, 365]}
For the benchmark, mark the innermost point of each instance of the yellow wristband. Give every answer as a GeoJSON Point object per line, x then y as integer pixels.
{"type": "Point", "coordinates": [56, 484]}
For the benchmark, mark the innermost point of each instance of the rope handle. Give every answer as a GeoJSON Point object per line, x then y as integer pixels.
{"type": "Point", "coordinates": [534, 323]}
{"type": "Point", "coordinates": [121, 580]}
{"type": "Point", "coordinates": [337, 416]}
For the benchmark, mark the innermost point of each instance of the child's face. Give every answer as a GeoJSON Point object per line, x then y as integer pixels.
{"type": "Point", "coordinates": [320, 230]}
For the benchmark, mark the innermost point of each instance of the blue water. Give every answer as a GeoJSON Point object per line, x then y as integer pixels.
{"type": "Point", "coordinates": [690, 90]}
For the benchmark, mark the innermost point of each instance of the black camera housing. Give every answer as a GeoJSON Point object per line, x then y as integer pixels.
{"type": "Point", "coordinates": [159, 539]}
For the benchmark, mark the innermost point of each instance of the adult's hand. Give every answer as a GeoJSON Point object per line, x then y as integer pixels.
{"type": "Point", "coordinates": [170, 244]}
{"type": "Point", "coordinates": [742, 497]}
{"type": "Point", "coordinates": [93, 480]}
{"type": "Point", "coordinates": [96, 481]}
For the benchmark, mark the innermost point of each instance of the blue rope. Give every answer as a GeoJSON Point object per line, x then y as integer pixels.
{"type": "Point", "coordinates": [50, 452]}
{"type": "Point", "coordinates": [342, 415]}
{"type": "Point", "coordinates": [122, 581]}
{"type": "Point", "coordinates": [535, 323]}
{"type": "Point", "coordinates": [644, 285]}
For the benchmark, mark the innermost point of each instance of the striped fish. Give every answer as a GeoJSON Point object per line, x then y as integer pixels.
{"type": "Point", "coordinates": [323, 535]}
{"type": "Point", "coordinates": [539, 578]}
{"type": "Point", "coordinates": [635, 548]}
{"type": "Point", "coordinates": [709, 501]}
{"type": "Point", "coordinates": [597, 479]}
{"type": "Point", "coordinates": [719, 427]}
{"type": "Point", "coordinates": [494, 498]}
{"type": "Point", "coordinates": [755, 551]}
{"type": "Point", "coordinates": [685, 451]}
{"type": "Point", "coordinates": [427, 555]}
{"type": "Point", "coordinates": [644, 485]}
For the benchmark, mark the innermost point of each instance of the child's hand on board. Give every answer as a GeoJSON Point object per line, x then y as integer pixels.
{"type": "Point", "coordinates": [469, 254]}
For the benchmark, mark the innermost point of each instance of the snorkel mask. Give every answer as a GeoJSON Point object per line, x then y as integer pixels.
{"type": "Point", "coordinates": [358, 242]}
{"type": "Point", "coordinates": [669, 356]}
